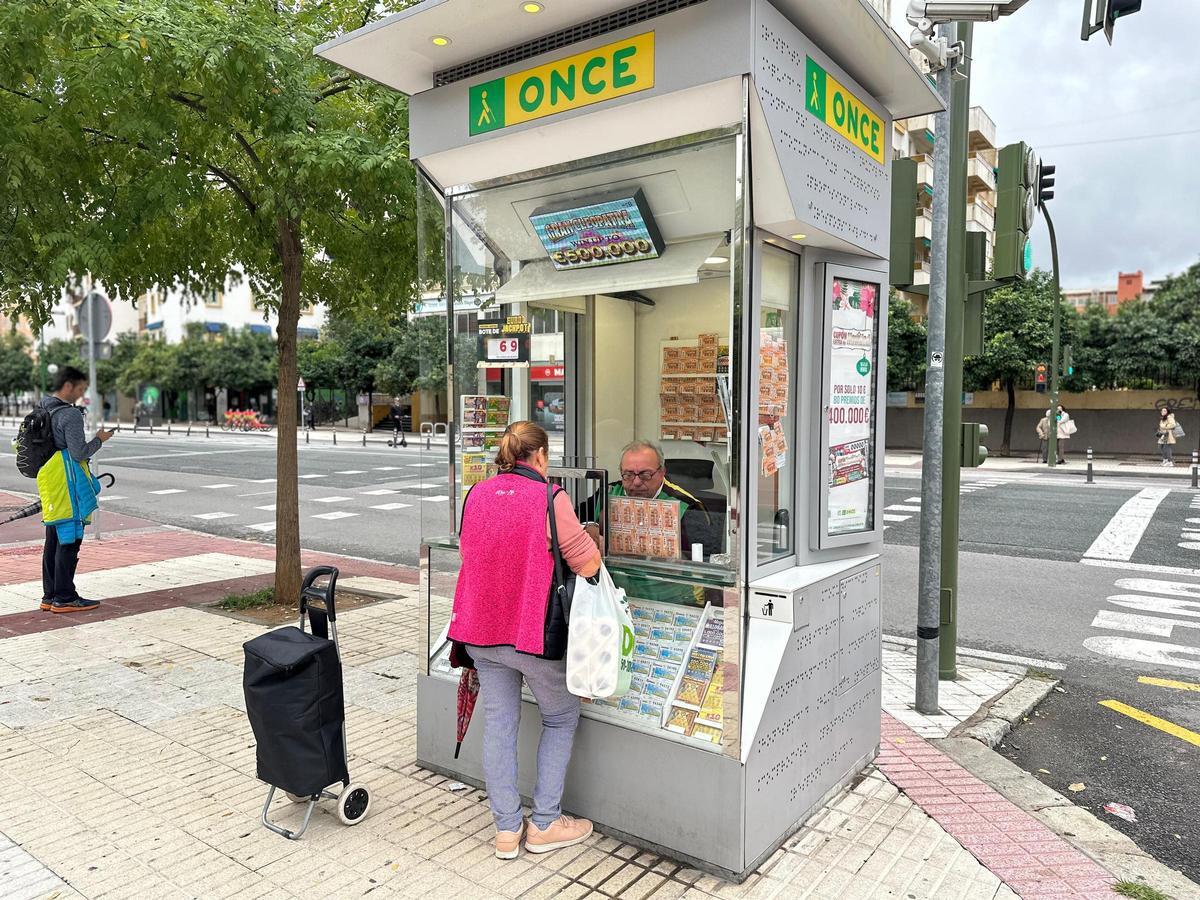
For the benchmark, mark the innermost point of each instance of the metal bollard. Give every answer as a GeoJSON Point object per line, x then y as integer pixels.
{"type": "Point", "coordinates": [1195, 468]}
{"type": "Point", "coordinates": [335, 437]}
{"type": "Point", "coordinates": [306, 434]}
{"type": "Point", "coordinates": [364, 437]}
{"type": "Point", "coordinates": [189, 430]}
{"type": "Point", "coordinates": [168, 426]}
{"type": "Point", "coordinates": [1090, 480]}
{"type": "Point", "coordinates": [206, 429]}
{"type": "Point", "coordinates": [152, 426]}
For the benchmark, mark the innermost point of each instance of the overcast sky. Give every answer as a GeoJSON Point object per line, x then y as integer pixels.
{"type": "Point", "coordinates": [1122, 206]}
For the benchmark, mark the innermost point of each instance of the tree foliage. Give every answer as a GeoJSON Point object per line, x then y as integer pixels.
{"type": "Point", "coordinates": [16, 365]}
{"type": "Point", "coordinates": [907, 340]}
{"type": "Point", "coordinates": [175, 142]}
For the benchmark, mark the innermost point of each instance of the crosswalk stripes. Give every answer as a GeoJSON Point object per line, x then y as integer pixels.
{"type": "Point", "coordinates": [331, 516]}
{"type": "Point", "coordinates": [214, 515]}
{"type": "Point", "coordinates": [390, 506]}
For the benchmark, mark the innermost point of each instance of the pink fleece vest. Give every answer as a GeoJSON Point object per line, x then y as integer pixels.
{"type": "Point", "coordinates": [504, 583]}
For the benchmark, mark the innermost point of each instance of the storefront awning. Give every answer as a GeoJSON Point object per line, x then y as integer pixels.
{"type": "Point", "coordinates": [539, 280]}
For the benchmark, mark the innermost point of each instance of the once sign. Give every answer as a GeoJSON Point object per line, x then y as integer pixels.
{"type": "Point", "coordinates": [614, 70]}
{"type": "Point", "coordinates": [837, 107]}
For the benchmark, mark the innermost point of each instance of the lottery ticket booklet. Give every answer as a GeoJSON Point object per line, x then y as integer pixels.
{"type": "Point", "coordinates": [640, 527]}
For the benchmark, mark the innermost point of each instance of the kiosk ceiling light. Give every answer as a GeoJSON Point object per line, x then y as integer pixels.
{"type": "Point", "coordinates": [532, 7]}
{"type": "Point", "coordinates": [716, 261]}
{"type": "Point", "coordinates": [799, 237]}
{"type": "Point", "coordinates": [440, 40]}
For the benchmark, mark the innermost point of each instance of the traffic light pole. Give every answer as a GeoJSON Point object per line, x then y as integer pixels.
{"type": "Point", "coordinates": [1052, 419]}
{"type": "Point", "coordinates": [956, 298]}
{"type": "Point", "coordinates": [928, 586]}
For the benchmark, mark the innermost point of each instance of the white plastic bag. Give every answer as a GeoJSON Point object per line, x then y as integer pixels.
{"type": "Point", "coordinates": [600, 642]}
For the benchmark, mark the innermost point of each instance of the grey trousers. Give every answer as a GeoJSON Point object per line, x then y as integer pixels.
{"type": "Point", "coordinates": [500, 672]}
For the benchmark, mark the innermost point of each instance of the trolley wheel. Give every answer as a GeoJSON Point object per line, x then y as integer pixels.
{"type": "Point", "coordinates": [353, 803]}
{"type": "Point", "coordinates": [298, 798]}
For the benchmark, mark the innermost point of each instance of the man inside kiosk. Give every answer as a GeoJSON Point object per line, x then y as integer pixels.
{"type": "Point", "coordinates": [644, 474]}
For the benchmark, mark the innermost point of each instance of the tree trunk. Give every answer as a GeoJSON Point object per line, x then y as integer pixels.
{"type": "Point", "coordinates": [1008, 416]}
{"type": "Point", "coordinates": [287, 492]}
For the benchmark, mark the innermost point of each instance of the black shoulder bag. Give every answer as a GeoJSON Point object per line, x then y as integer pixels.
{"type": "Point", "coordinates": [562, 589]}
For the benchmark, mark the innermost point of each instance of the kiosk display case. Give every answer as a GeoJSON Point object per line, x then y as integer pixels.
{"type": "Point", "coordinates": [691, 241]}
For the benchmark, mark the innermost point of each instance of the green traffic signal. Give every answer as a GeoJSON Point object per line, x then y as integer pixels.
{"type": "Point", "coordinates": [903, 250]}
{"type": "Point", "coordinates": [973, 452]}
{"type": "Point", "coordinates": [1015, 209]}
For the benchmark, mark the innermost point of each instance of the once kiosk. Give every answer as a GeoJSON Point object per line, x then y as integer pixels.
{"type": "Point", "coordinates": [669, 221]}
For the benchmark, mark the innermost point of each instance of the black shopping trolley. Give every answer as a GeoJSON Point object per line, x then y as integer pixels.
{"type": "Point", "coordinates": [293, 685]}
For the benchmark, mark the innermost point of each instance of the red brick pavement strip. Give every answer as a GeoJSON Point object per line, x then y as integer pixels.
{"type": "Point", "coordinates": [1013, 845]}
{"type": "Point", "coordinates": [24, 564]}
{"type": "Point", "coordinates": [21, 564]}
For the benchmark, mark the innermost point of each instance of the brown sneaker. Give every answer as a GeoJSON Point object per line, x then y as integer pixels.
{"type": "Point", "coordinates": [566, 832]}
{"type": "Point", "coordinates": [508, 843]}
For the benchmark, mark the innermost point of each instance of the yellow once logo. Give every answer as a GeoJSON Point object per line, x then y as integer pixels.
{"type": "Point", "coordinates": [837, 107]}
{"type": "Point", "coordinates": [614, 70]}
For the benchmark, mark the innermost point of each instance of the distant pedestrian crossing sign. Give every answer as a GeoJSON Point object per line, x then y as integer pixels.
{"type": "Point", "coordinates": [300, 384]}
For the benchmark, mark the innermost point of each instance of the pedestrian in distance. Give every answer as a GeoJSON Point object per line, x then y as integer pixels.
{"type": "Point", "coordinates": [1166, 436]}
{"type": "Point", "coordinates": [68, 493]}
{"type": "Point", "coordinates": [1043, 433]}
{"type": "Point", "coordinates": [396, 413]}
{"type": "Point", "coordinates": [310, 421]}
{"type": "Point", "coordinates": [1066, 428]}
{"type": "Point", "coordinates": [501, 620]}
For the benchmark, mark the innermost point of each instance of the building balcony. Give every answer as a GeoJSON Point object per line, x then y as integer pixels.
{"type": "Point", "coordinates": [981, 130]}
{"type": "Point", "coordinates": [920, 134]}
{"type": "Point", "coordinates": [980, 176]}
{"type": "Point", "coordinates": [925, 225]}
{"type": "Point", "coordinates": [982, 216]}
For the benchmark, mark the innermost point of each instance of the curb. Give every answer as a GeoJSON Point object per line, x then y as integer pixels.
{"type": "Point", "coordinates": [996, 718]}
{"type": "Point", "coordinates": [1083, 830]}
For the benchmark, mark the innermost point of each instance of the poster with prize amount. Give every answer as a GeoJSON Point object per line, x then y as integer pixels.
{"type": "Point", "coordinates": [851, 403]}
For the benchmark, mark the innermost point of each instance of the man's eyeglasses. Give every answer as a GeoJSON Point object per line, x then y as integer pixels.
{"type": "Point", "coordinates": [644, 475]}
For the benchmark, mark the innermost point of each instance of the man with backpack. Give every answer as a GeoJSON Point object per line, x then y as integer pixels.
{"type": "Point", "coordinates": [53, 448]}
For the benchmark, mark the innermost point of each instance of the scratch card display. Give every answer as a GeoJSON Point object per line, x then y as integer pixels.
{"type": "Point", "coordinates": [663, 634]}
{"type": "Point", "coordinates": [642, 527]}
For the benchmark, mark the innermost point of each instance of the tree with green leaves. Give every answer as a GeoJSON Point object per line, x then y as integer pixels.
{"type": "Point", "coordinates": [16, 366]}
{"type": "Point", "coordinates": [175, 143]}
{"type": "Point", "coordinates": [907, 342]}
{"type": "Point", "coordinates": [1018, 323]}
{"type": "Point", "coordinates": [418, 362]}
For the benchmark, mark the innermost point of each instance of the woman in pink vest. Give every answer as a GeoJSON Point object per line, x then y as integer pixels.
{"type": "Point", "coordinates": [500, 608]}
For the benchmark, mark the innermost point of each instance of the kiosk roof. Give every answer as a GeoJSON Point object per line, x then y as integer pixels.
{"type": "Point", "coordinates": [399, 51]}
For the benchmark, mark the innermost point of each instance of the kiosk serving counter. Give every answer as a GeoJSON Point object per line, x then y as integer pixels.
{"type": "Point", "coordinates": [677, 212]}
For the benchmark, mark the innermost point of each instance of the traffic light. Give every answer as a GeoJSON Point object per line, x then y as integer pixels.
{"type": "Point", "coordinates": [1015, 209]}
{"type": "Point", "coordinates": [1068, 361]}
{"type": "Point", "coordinates": [1039, 378]}
{"type": "Point", "coordinates": [973, 324]}
{"type": "Point", "coordinates": [974, 453]}
{"type": "Point", "coordinates": [1106, 14]}
{"type": "Point", "coordinates": [1045, 183]}
{"type": "Point", "coordinates": [904, 222]}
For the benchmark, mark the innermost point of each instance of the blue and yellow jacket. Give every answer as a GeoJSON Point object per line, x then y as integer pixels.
{"type": "Point", "coordinates": [69, 494]}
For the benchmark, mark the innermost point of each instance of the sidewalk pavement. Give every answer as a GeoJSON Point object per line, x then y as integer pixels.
{"type": "Point", "coordinates": [1076, 466]}
{"type": "Point", "coordinates": [130, 761]}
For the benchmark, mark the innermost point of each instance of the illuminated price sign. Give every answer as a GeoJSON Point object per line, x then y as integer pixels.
{"type": "Point", "coordinates": [506, 349]}
{"type": "Point", "coordinates": [504, 342]}
{"type": "Point", "coordinates": [607, 230]}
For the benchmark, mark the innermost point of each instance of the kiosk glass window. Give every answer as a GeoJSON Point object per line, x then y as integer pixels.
{"type": "Point", "coordinates": [608, 322]}
{"type": "Point", "coordinates": [852, 316]}
{"type": "Point", "coordinates": [776, 414]}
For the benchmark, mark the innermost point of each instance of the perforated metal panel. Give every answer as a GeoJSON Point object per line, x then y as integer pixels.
{"type": "Point", "coordinates": [834, 186]}
{"type": "Point", "coordinates": [821, 720]}
{"type": "Point", "coordinates": [623, 18]}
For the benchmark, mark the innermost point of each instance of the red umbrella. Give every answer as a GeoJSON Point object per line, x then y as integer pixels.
{"type": "Point", "coordinates": [468, 693]}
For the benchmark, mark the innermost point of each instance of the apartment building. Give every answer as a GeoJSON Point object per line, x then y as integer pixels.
{"type": "Point", "coordinates": [1130, 286]}
{"type": "Point", "coordinates": [914, 138]}
{"type": "Point", "coordinates": [166, 315]}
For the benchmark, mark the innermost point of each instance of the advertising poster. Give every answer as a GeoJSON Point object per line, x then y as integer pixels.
{"type": "Point", "coordinates": [854, 339]}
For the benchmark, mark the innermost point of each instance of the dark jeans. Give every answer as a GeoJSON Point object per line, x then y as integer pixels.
{"type": "Point", "coordinates": [58, 567]}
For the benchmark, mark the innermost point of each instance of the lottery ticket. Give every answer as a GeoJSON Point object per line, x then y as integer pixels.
{"type": "Point", "coordinates": [681, 720]}
{"type": "Point", "coordinates": [691, 692]}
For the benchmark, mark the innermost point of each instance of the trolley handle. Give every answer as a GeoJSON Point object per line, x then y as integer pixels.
{"type": "Point", "coordinates": [309, 591]}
